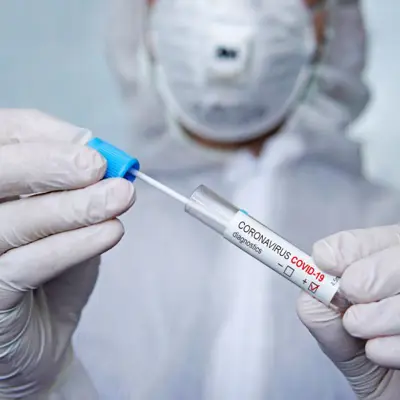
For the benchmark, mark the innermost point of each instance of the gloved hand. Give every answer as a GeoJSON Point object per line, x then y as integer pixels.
{"type": "Point", "coordinates": [364, 343]}
{"type": "Point", "coordinates": [48, 243]}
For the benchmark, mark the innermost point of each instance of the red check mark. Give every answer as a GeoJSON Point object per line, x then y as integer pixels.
{"type": "Point", "coordinates": [313, 287]}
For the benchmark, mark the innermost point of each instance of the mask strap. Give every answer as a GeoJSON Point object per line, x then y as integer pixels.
{"type": "Point", "coordinates": [311, 79]}
{"type": "Point", "coordinates": [322, 6]}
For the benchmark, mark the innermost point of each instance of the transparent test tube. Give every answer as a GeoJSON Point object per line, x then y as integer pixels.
{"type": "Point", "coordinates": [243, 231]}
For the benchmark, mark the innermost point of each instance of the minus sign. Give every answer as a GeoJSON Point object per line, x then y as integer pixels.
{"type": "Point", "coordinates": [280, 265]}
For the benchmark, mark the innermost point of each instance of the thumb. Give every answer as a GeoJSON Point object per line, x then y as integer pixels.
{"type": "Point", "coordinates": [22, 125]}
{"type": "Point", "coordinates": [337, 252]}
{"type": "Point", "coordinates": [327, 328]}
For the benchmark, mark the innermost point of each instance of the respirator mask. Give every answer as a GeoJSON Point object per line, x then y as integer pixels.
{"type": "Point", "coordinates": [231, 70]}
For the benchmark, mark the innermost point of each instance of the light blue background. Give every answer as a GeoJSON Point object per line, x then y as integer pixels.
{"type": "Point", "coordinates": [380, 126]}
{"type": "Point", "coordinates": [52, 58]}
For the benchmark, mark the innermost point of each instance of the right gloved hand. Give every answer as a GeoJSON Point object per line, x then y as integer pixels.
{"type": "Point", "coordinates": [49, 243]}
{"type": "Point", "coordinates": [365, 343]}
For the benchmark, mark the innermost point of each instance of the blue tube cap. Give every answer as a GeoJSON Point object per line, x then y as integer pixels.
{"type": "Point", "coordinates": [119, 164]}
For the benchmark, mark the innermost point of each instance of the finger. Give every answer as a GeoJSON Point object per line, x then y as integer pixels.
{"type": "Point", "coordinates": [368, 321]}
{"type": "Point", "coordinates": [335, 253]}
{"type": "Point", "coordinates": [70, 291]}
{"type": "Point", "coordinates": [327, 328]}
{"type": "Point", "coordinates": [68, 294]}
{"type": "Point", "coordinates": [28, 220]}
{"type": "Point", "coordinates": [347, 353]}
{"type": "Point", "coordinates": [30, 266]}
{"type": "Point", "coordinates": [38, 168]}
{"type": "Point", "coordinates": [373, 278]}
{"type": "Point", "coordinates": [23, 125]}
{"type": "Point", "coordinates": [384, 351]}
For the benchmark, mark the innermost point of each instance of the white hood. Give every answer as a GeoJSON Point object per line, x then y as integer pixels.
{"type": "Point", "coordinates": [337, 95]}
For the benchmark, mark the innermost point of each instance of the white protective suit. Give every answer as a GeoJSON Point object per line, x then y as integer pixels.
{"type": "Point", "coordinates": [178, 313]}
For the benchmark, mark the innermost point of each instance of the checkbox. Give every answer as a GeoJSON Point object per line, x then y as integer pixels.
{"type": "Point", "coordinates": [313, 288]}
{"type": "Point", "coordinates": [289, 271]}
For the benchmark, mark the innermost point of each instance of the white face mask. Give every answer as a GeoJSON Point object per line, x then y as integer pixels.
{"type": "Point", "coordinates": [230, 70]}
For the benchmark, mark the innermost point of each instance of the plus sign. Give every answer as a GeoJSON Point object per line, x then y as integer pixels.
{"type": "Point", "coordinates": [305, 281]}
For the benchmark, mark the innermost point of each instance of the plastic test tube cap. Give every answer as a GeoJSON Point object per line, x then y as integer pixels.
{"type": "Point", "coordinates": [119, 163]}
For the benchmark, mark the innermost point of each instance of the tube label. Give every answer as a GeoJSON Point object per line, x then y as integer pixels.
{"type": "Point", "coordinates": [281, 256]}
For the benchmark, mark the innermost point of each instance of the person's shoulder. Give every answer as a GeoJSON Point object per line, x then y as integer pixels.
{"type": "Point", "coordinates": [370, 202]}
{"type": "Point", "coordinates": [335, 186]}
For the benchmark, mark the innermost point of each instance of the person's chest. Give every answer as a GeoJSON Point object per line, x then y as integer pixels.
{"type": "Point", "coordinates": [152, 293]}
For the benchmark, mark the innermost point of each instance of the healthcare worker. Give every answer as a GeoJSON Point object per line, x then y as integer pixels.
{"type": "Point", "coordinates": [365, 342]}
{"type": "Point", "coordinates": [253, 99]}
{"type": "Point", "coordinates": [49, 248]}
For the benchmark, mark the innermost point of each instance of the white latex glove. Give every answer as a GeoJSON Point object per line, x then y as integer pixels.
{"type": "Point", "coordinates": [365, 344]}
{"type": "Point", "coordinates": [48, 243]}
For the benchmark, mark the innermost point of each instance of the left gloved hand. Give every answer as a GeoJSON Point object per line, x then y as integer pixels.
{"type": "Point", "coordinates": [49, 248]}
{"type": "Point", "coordinates": [364, 343]}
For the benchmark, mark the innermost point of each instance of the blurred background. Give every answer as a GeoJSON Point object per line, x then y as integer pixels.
{"type": "Point", "coordinates": [52, 57]}
{"type": "Point", "coordinates": [379, 125]}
